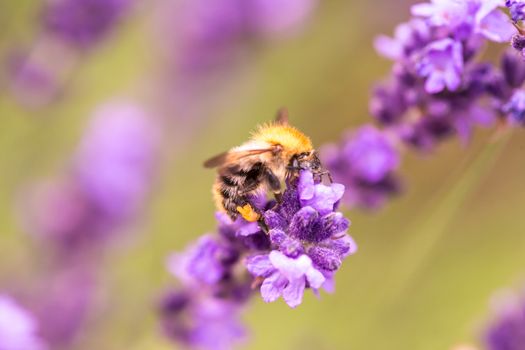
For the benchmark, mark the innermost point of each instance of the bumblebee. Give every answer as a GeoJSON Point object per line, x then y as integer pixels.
{"type": "Point", "coordinates": [276, 152]}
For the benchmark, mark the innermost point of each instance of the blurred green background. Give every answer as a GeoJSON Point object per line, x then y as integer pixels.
{"type": "Point", "coordinates": [427, 263]}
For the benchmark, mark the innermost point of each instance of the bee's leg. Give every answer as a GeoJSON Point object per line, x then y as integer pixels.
{"type": "Point", "coordinates": [262, 225]}
{"type": "Point", "coordinates": [274, 183]}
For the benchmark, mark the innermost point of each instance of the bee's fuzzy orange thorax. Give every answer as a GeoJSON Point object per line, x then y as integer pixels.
{"type": "Point", "coordinates": [289, 137]}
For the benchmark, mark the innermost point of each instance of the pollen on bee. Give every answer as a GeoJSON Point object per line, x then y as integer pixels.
{"type": "Point", "coordinates": [248, 213]}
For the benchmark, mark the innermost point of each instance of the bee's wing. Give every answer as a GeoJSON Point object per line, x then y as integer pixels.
{"type": "Point", "coordinates": [282, 116]}
{"type": "Point", "coordinates": [234, 156]}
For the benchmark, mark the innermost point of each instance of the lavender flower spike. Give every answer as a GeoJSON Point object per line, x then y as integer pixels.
{"type": "Point", "coordinates": [308, 241]}
{"type": "Point", "coordinates": [18, 328]}
{"type": "Point", "coordinates": [115, 163]}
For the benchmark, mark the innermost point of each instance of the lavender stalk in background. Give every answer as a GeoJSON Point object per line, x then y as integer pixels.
{"type": "Point", "coordinates": [18, 327]}
{"type": "Point", "coordinates": [209, 34]}
{"type": "Point", "coordinates": [69, 29]}
{"type": "Point", "coordinates": [304, 246]}
{"type": "Point", "coordinates": [107, 183]}
{"type": "Point", "coordinates": [438, 88]}
{"type": "Point", "coordinates": [102, 192]}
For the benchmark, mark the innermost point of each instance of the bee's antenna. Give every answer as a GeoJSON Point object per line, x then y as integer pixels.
{"type": "Point", "coordinates": [282, 116]}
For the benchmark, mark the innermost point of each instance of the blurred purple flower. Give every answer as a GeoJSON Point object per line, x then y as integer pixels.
{"type": "Point", "coordinates": [18, 328]}
{"type": "Point", "coordinates": [366, 162]}
{"type": "Point", "coordinates": [449, 13]}
{"type": "Point", "coordinates": [514, 109]}
{"type": "Point", "coordinates": [108, 183]}
{"type": "Point", "coordinates": [83, 23]}
{"type": "Point", "coordinates": [279, 17]}
{"type": "Point", "coordinates": [202, 263]}
{"type": "Point", "coordinates": [408, 37]}
{"type": "Point", "coordinates": [436, 88]}
{"type": "Point", "coordinates": [116, 158]}
{"type": "Point", "coordinates": [507, 331]}
{"type": "Point", "coordinates": [492, 23]}
{"type": "Point", "coordinates": [466, 17]}
{"type": "Point", "coordinates": [441, 64]}
{"type": "Point", "coordinates": [31, 81]}
{"type": "Point", "coordinates": [209, 36]}
{"type": "Point", "coordinates": [517, 9]}
{"type": "Point", "coordinates": [65, 301]}
{"type": "Point", "coordinates": [201, 323]}
{"type": "Point", "coordinates": [204, 311]}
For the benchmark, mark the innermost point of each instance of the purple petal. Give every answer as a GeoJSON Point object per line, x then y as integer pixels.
{"type": "Point", "coordinates": [495, 26]}
{"type": "Point", "coordinates": [18, 328]}
{"type": "Point", "coordinates": [423, 9]}
{"type": "Point", "coordinates": [334, 223]}
{"type": "Point", "coordinates": [291, 247]}
{"type": "Point", "coordinates": [291, 268]}
{"type": "Point", "coordinates": [293, 292]}
{"type": "Point", "coordinates": [388, 47]}
{"type": "Point", "coordinates": [277, 236]}
{"type": "Point", "coordinates": [274, 220]}
{"type": "Point", "coordinates": [434, 84]}
{"type": "Point", "coordinates": [248, 229]}
{"type": "Point", "coordinates": [306, 186]}
{"type": "Point", "coordinates": [303, 222]}
{"type": "Point", "coordinates": [315, 277]}
{"type": "Point", "coordinates": [325, 197]}
{"type": "Point", "coordinates": [325, 259]}
{"type": "Point", "coordinates": [272, 287]}
{"type": "Point", "coordinates": [329, 283]}
{"type": "Point", "coordinates": [259, 265]}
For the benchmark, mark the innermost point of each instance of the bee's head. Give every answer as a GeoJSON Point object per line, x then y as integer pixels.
{"type": "Point", "coordinates": [307, 161]}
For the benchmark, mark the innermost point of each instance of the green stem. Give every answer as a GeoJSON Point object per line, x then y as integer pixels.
{"type": "Point", "coordinates": [426, 232]}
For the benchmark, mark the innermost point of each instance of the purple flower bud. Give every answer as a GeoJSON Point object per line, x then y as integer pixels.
{"type": "Point", "coordinates": [343, 246]}
{"type": "Point", "coordinates": [303, 223]}
{"type": "Point", "coordinates": [334, 223]}
{"type": "Point", "coordinates": [200, 263]}
{"type": "Point", "coordinates": [513, 68]}
{"type": "Point", "coordinates": [325, 258]}
{"type": "Point", "coordinates": [515, 108]}
{"type": "Point", "coordinates": [274, 220]}
{"type": "Point", "coordinates": [518, 42]}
